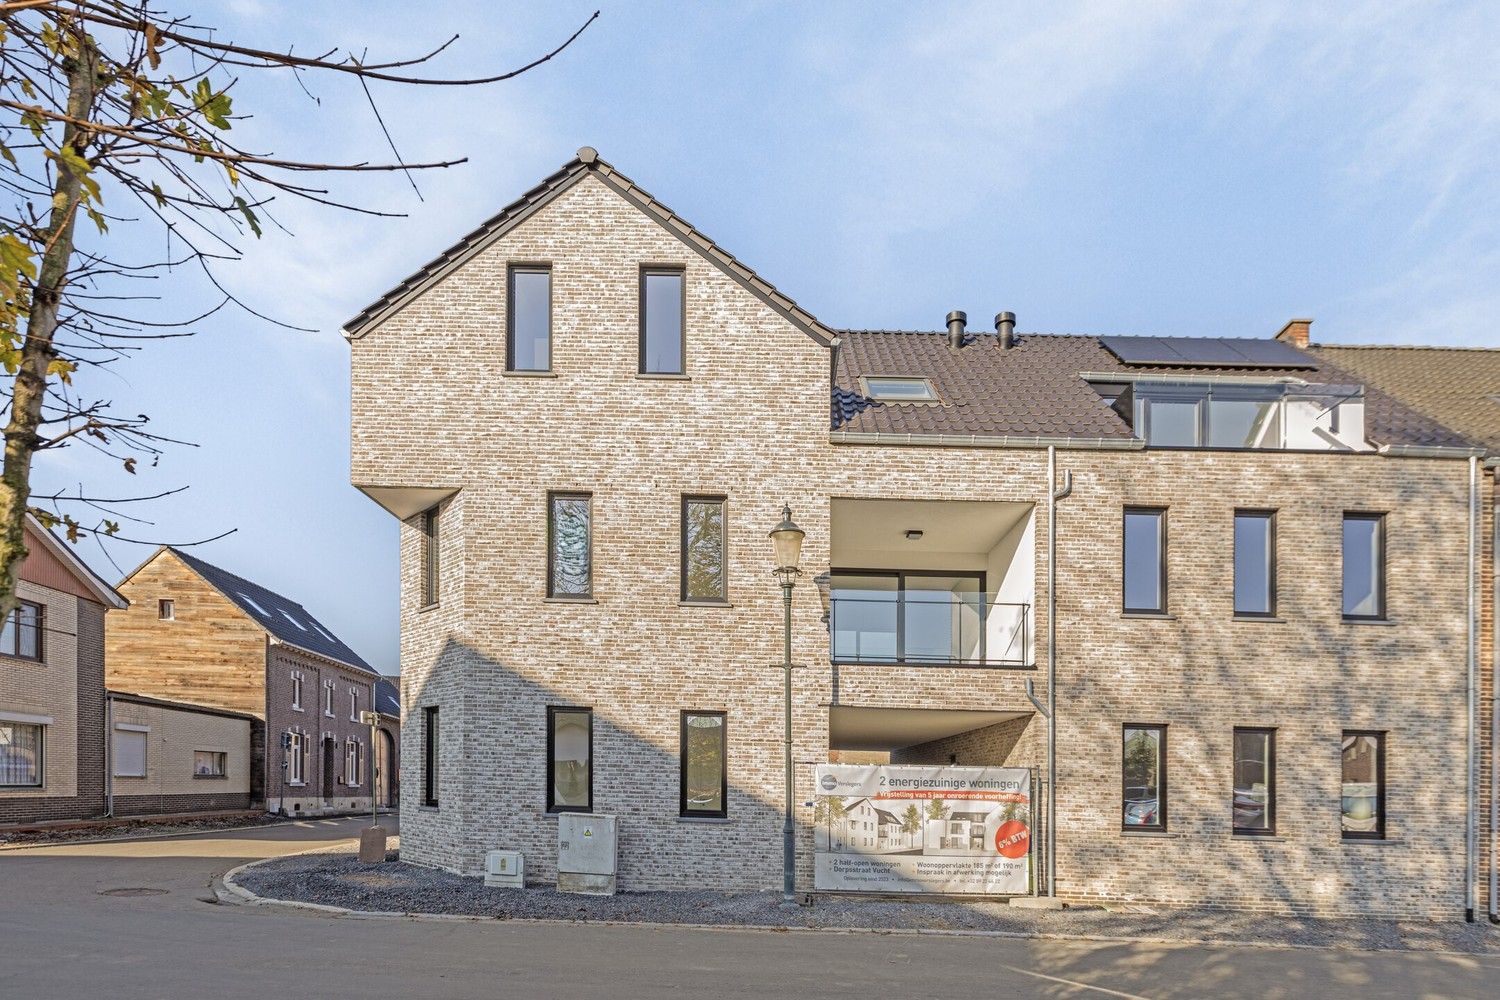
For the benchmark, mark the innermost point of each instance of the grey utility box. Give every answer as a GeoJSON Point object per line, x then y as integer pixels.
{"type": "Point", "coordinates": [586, 853]}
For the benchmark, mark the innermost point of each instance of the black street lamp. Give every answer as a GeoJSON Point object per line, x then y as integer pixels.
{"type": "Point", "coordinates": [786, 540]}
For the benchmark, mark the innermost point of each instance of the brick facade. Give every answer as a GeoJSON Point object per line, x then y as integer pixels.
{"type": "Point", "coordinates": [750, 421]}
{"type": "Point", "coordinates": [324, 787]}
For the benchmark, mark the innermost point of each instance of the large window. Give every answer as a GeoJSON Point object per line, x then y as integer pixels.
{"type": "Point", "coordinates": [1362, 791]}
{"type": "Point", "coordinates": [296, 758]}
{"type": "Point", "coordinates": [662, 306]}
{"type": "Point", "coordinates": [20, 755]}
{"type": "Point", "coordinates": [704, 770]}
{"type": "Point", "coordinates": [570, 759]}
{"type": "Point", "coordinates": [1254, 802]}
{"type": "Point", "coordinates": [1145, 560]}
{"type": "Point", "coordinates": [570, 566]}
{"type": "Point", "coordinates": [1364, 566]}
{"type": "Point", "coordinates": [529, 319]}
{"type": "Point", "coordinates": [1218, 416]}
{"type": "Point", "coordinates": [210, 764]}
{"type": "Point", "coordinates": [21, 633]}
{"type": "Point", "coordinates": [430, 756]}
{"type": "Point", "coordinates": [705, 553]}
{"type": "Point", "coordinates": [1255, 563]}
{"type": "Point", "coordinates": [911, 617]}
{"type": "Point", "coordinates": [1144, 773]}
{"type": "Point", "coordinates": [429, 526]}
{"type": "Point", "coordinates": [128, 749]}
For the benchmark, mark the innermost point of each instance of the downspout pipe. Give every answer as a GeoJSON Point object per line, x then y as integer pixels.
{"type": "Point", "coordinates": [1494, 705]}
{"type": "Point", "coordinates": [109, 749]}
{"type": "Point", "coordinates": [1054, 494]}
{"type": "Point", "coordinates": [1472, 662]}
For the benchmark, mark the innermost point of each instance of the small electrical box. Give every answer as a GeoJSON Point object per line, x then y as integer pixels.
{"type": "Point", "coordinates": [506, 869]}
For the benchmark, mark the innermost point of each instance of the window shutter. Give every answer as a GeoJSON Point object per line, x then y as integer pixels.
{"type": "Point", "coordinates": [130, 754]}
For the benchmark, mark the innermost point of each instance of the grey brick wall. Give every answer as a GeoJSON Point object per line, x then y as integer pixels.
{"type": "Point", "coordinates": [432, 409]}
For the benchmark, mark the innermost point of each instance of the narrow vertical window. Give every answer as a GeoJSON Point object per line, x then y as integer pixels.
{"type": "Point", "coordinates": [294, 758]}
{"type": "Point", "coordinates": [529, 319]}
{"type": "Point", "coordinates": [328, 698]}
{"type": "Point", "coordinates": [704, 768]}
{"type": "Point", "coordinates": [1364, 566]}
{"type": "Point", "coordinates": [430, 756]}
{"type": "Point", "coordinates": [1254, 801]}
{"type": "Point", "coordinates": [662, 329]}
{"type": "Point", "coordinates": [1145, 560]}
{"type": "Point", "coordinates": [20, 755]}
{"type": "Point", "coordinates": [354, 704]}
{"type": "Point", "coordinates": [430, 556]}
{"type": "Point", "coordinates": [296, 691]}
{"type": "Point", "coordinates": [21, 632]}
{"type": "Point", "coordinates": [570, 569]}
{"type": "Point", "coordinates": [704, 550]}
{"type": "Point", "coordinates": [570, 759]}
{"type": "Point", "coordinates": [1362, 791]}
{"type": "Point", "coordinates": [1144, 773]}
{"type": "Point", "coordinates": [351, 762]}
{"type": "Point", "coordinates": [1255, 563]}
{"type": "Point", "coordinates": [166, 609]}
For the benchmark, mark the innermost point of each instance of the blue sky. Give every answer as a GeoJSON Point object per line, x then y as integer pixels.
{"type": "Point", "coordinates": [1208, 169]}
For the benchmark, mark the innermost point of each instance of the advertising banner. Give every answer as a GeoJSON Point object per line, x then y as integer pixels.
{"type": "Point", "coordinates": [885, 828]}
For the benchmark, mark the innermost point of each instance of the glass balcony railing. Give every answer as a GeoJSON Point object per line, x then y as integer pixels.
{"type": "Point", "coordinates": [940, 623]}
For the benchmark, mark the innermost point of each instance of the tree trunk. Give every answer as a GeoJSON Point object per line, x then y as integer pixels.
{"type": "Point", "coordinates": [37, 349]}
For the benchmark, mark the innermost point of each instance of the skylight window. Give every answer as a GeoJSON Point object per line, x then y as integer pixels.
{"type": "Point", "coordinates": [324, 632]}
{"type": "Point", "coordinates": [288, 616]}
{"type": "Point", "coordinates": [251, 601]}
{"type": "Point", "coordinates": [899, 389]}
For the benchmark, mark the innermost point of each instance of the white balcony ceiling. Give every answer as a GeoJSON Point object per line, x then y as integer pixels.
{"type": "Point", "coordinates": [860, 728]}
{"type": "Point", "coordinates": [969, 526]}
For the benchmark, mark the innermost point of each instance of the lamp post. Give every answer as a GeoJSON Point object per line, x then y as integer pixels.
{"type": "Point", "coordinates": [786, 540]}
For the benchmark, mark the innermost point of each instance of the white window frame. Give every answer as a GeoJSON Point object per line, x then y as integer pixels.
{"type": "Point", "coordinates": [295, 773]}
{"type": "Point", "coordinates": [351, 761]}
{"type": "Point", "coordinates": [328, 698]}
{"type": "Point", "coordinates": [166, 609]}
{"type": "Point", "coordinates": [144, 732]}
{"type": "Point", "coordinates": [353, 703]}
{"type": "Point", "coordinates": [297, 691]}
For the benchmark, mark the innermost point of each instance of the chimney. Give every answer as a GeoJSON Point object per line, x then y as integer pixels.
{"type": "Point", "coordinates": [1295, 332]}
{"type": "Point", "coordinates": [1005, 328]}
{"type": "Point", "coordinates": [956, 320]}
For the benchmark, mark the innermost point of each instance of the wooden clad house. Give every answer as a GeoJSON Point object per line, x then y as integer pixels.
{"type": "Point", "coordinates": [198, 633]}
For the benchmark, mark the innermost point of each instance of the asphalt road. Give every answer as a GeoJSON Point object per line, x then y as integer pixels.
{"type": "Point", "coordinates": [60, 936]}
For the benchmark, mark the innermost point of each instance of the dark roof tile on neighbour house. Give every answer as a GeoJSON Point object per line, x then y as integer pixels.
{"type": "Point", "coordinates": [284, 618]}
{"type": "Point", "coordinates": [388, 697]}
{"type": "Point", "coordinates": [1458, 386]}
{"type": "Point", "coordinates": [1033, 392]}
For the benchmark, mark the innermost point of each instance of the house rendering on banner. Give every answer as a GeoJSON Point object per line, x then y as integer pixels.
{"type": "Point", "coordinates": [1249, 571]}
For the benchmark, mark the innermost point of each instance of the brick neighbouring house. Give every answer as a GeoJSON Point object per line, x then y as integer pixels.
{"type": "Point", "coordinates": [52, 743]}
{"type": "Point", "coordinates": [197, 633]}
{"type": "Point", "coordinates": [1459, 387]}
{"type": "Point", "coordinates": [568, 402]}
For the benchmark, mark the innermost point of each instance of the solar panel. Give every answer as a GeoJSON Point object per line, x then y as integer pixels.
{"type": "Point", "coordinates": [1206, 352]}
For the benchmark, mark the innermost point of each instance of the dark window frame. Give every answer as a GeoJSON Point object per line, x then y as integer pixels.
{"type": "Point", "coordinates": [166, 609]}
{"type": "Point", "coordinates": [1379, 518]}
{"type": "Point", "coordinates": [682, 546]}
{"type": "Point", "coordinates": [1161, 558]}
{"type": "Point", "coordinates": [511, 270]}
{"type": "Point", "coordinates": [1270, 829]}
{"type": "Point", "coordinates": [552, 712]}
{"type": "Point", "coordinates": [553, 495]}
{"type": "Point", "coordinates": [1380, 785]}
{"type": "Point", "coordinates": [646, 270]}
{"type": "Point", "coordinates": [431, 734]}
{"type": "Point", "coordinates": [1160, 826]}
{"type": "Point", "coordinates": [682, 766]}
{"type": "Point", "coordinates": [430, 526]}
{"type": "Point", "coordinates": [41, 630]}
{"type": "Point", "coordinates": [1271, 563]}
{"type": "Point", "coordinates": [900, 576]}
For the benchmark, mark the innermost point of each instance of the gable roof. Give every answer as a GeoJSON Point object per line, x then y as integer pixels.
{"type": "Point", "coordinates": [584, 164]}
{"type": "Point", "coordinates": [1032, 394]}
{"type": "Point", "coordinates": [75, 566]}
{"type": "Point", "coordinates": [287, 621]}
{"type": "Point", "coordinates": [1459, 386]}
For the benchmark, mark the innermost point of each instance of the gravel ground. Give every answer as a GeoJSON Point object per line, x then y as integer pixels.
{"type": "Point", "coordinates": [339, 879]}
{"type": "Point", "coordinates": [141, 828]}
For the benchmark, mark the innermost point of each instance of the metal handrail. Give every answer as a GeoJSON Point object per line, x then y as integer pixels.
{"type": "Point", "coordinates": [1017, 651]}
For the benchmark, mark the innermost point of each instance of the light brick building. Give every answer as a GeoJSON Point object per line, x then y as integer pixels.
{"type": "Point", "coordinates": [200, 634]}
{"type": "Point", "coordinates": [588, 416]}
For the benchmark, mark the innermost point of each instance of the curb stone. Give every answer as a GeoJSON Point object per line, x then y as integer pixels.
{"type": "Point", "coordinates": [242, 895]}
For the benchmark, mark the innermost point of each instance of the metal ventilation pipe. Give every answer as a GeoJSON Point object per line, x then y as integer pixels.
{"type": "Point", "coordinates": [1005, 326]}
{"type": "Point", "coordinates": [957, 319]}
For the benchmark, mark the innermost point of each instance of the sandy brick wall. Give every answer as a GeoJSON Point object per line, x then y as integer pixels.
{"type": "Point", "coordinates": [173, 736]}
{"type": "Point", "coordinates": [431, 408]}
{"type": "Point", "coordinates": [50, 688]}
